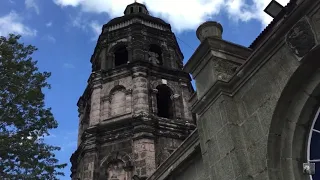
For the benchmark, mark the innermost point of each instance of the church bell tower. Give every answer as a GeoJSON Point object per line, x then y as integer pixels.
{"type": "Point", "coordinates": [134, 111]}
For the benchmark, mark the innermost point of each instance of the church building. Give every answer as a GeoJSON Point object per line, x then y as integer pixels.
{"type": "Point", "coordinates": [255, 114]}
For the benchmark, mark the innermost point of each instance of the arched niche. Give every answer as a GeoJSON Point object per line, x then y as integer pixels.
{"type": "Point", "coordinates": [165, 106]}
{"type": "Point", "coordinates": [116, 166]}
{"type": "Point", "coordinates": [289, 133]}
{"type": "Point", "coordinates": [117, 100]}
{"type": "Point", "coordinates": [155, 54]}
{"type": "Point", "coordinates": [121, 55]}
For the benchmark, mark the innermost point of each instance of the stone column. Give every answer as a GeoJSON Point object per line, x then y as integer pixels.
{"type": "Point", "coordinates": [177, 105]}
{"type": "Point", "coordinates": [140, 90]}
{"type": "Point", "coordinates": [103, 59]}
{"type": "Point", "coordinates": [128, 100]}
{"type": "Point", "coordinates": [154, 106]}
{"type": "Point", "coordinates": [110, 59]}
{"type": "Point", "coordinates": [137, 45]}
{"type": "Point", "coordinates": [130, 53]}
{"type": "Point", "coordinates": [186, 107]}
{"type": "Point", "coordinates": [95, 105]}
{"type": "Point", "coordinates": [106, 107]}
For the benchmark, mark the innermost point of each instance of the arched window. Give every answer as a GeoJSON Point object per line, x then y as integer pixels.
{"type": "Point", "coordinates": [164, 102]}
{"type": "Point", "coordinates": [118, 101]}
{"type": "Point", "coordinates": [155, 54]}
{"type": "Point", "coordinates": [120, 56]}
{"type": "Point", "coordinates": [314, 145]}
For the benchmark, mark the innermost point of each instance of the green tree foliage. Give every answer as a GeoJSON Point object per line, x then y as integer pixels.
{"type": "Point", "coordinates": [24, 119]}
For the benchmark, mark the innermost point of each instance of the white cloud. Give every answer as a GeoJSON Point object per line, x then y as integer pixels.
{"type": "Point", "coordinates": [79, 21]}
{"type": "Point", "coordinates": [49, 38]}
{"type": "Point", "coordinates": [68, 66]}
{"type": "Point", "coordinates": [12, 23]}
{"type": "Point", "coordinates": [96, 28]}
{"type": "Point", "coordinates": [182, 15]}
{"type": "Point", "coordinates": [31, 4]}
{"type": "Point", "coordinates": [49, 24]}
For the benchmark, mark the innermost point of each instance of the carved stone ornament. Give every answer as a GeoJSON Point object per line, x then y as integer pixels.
{"type": "Point", "coordinates": [174, 96]}
{"type": "Point", "coordinates": [300, 38]}
{"type": "Point", "coordinates": [106, 98]}
{"type": "Point", "coordinates": [154, 91]}
{"type": "Point", "coordinates": [128, 91]}
{"type": "Point", "coordinates": [116, 82]}
{"type": "Point", "coordinates": [153, 57]}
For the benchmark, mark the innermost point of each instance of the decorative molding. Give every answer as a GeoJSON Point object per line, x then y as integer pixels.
{"type": "Point", "coordinates": [136, 20]}
{"type": "Point", "coordinates": [106, 98]}
{"type": "Point", "coordinates": [128, 91]}
{"type": "Point", "coordinates": [174, 96]}
{"type": "Point", "coordinates": [300, 38]}
{"type": "Point", "coordinates": [116, 83]}
{"type": "Point", "coordinates": [154, 91]}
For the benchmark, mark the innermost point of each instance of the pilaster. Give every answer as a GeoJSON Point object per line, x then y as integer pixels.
{"type": "Point", "coordinates": [128, 100]}
{"type": "Point", "coordinates": [144, 157]}
{"type": "Point", "coordinates": [140, 90]}
{"type": "Point", "coordinates": [154, 106]}
{"type": "Point", "coordinates": [95, 103]}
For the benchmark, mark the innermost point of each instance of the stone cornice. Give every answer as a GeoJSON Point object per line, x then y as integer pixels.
{"type": "Point", "coordinates": [187, 148]}
{"type": "Point", "coordinates": [222, 46]}
{"type": "Point", "coordinates": [253, 63]}
{"type": "Point", "coordinates": [127, 70]}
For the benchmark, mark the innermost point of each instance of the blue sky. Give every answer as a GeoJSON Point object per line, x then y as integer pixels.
{"type": "Point", "coordinates": [66, 31]}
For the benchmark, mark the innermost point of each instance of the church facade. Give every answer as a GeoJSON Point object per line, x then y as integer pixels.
{"type": "Point", "coordinates": [257, 114]}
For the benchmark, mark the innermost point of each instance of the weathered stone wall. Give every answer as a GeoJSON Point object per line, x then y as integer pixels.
{"type": "Point", "coordinates": [234, 130]}
{"type": "Point", "coordinates": [116, 98]}
{"type": "Point", "coordinates": [115, 159]}
{"type": "Point", "coordinates": [165, 147]}
{"type": "Point", "coordinates": [140, 91]}
{"type": "Point", "coordinates": [144, 157]}
{"type": "Point", "coordinates": [235, 127]}
{"type": "Point", "coordinates": [89, 161]}
{"type": "Point", "coordinates": [95, 105]}
{"type": "Point", "coordinates": [195, 170]}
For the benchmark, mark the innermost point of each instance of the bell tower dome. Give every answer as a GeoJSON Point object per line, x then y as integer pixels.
{"type": "Point", "coordinates": [135, 110]}
{"type": "Point", "coordinates": [136, 8]}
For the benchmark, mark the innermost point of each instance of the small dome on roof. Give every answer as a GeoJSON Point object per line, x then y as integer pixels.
{"type": "Point", "coordinates": [136, 8]}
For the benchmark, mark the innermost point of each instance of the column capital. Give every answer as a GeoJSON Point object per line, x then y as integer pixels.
{"type": "Point", "coordinates": [154, 91]}
{"type": "Point", "coordinates": [174, 96]}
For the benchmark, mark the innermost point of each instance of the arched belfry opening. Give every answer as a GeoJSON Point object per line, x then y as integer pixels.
{"type": "Point", "coordinates": [120, 56]}
{"type": "Point", "coordinates": [164, 102]}
{"type": "Point", "coordinates": [155, 54]}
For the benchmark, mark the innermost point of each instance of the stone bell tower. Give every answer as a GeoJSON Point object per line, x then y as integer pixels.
{"type": "Point", "coordinates": [135, 110]}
